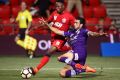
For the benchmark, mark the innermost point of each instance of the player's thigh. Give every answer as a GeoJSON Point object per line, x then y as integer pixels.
{"type": "Point", "coordinates": [58, 43]}
{"type": "Point", "coordinates": [52, 49]}
{"type": "Point", "coordinates": [68, 55]}
{"type": "Point", "coordinates": [64, 70]}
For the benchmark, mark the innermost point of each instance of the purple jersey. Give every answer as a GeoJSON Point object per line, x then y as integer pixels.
{"type": "Point", "coordinates": [77, 40]}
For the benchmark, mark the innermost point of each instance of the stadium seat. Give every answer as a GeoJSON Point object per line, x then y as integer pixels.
{"type": "Point", "coordinates": [75, 13]}
{"type": "Point", "coordinates": [107, 21]}
{"type": "Point", "coordinates": [15, 10]}
{"type": "Point", "coordinates": [2, 33]}
{"type": "Point", "coordinates": [29, 2]}
{"type": "Point", "coordinates": [91, 23]}
{"type": "Point", "coordinates": [14, 2]}
{"type": "Point", "coordinates": [4, 12]}
{"type": "Point", "coordinates": [94, 3]}
{"type": "Point", "coordinates": [83, 2]}
{"type": "Point", "coordinates": [7, 26]}
{"type": "Point", "coordinates": [39, 30]}
{"type": "Point", "coordinates": [35, 22]}
{"type": "Point", "coordinates": [100, 11]}
{"type": "Point", "coordinates": [87, 11]}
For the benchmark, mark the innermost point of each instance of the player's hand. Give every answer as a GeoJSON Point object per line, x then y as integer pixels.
{"type": "Point", "coordinates": [103, 34]}
{"type": "Point", "coordinates": [26, 32]}
{"type": "Point", "coordinates": [42, 22]}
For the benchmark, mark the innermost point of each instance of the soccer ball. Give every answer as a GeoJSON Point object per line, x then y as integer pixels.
{"type": "Point", "coordinates": [26, 73]}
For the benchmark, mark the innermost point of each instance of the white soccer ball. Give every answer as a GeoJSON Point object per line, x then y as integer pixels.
{"type": "Point", "coordinates": [26, 73]}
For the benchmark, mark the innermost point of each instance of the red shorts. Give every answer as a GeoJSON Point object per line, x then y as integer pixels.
{"type": "Point", "coordinates": [60, 45]}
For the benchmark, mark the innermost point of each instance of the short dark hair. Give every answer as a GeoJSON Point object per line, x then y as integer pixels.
{"type": "Point", "coordinates": [62, 1]}
{"type": "Point", "coordinates": [82, 20]}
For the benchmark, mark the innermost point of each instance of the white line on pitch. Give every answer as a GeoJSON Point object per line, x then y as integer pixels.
{"type": "Point", "coordinates": [60, 68]}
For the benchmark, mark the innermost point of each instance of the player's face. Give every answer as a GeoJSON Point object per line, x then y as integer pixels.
{"type": "Point", "coordinates": [77, 24]}
{"type": "Point", "coordinates": [59, 7]}
{"type": "Point", "coordinates": [23, 6]}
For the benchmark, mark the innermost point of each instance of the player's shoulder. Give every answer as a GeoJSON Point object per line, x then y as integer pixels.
{"type": "Point", "coordinates": [54, 12]}
{"type": "Point", "coordinates": [27, 11]}
{"type": "Point", "coordinates": [67, 12]}
{"type": "Point", "coordinates": [84, 30]}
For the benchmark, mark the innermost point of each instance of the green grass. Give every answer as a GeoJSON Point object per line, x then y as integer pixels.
{"type": "Point", "coordinates": [10, 68]}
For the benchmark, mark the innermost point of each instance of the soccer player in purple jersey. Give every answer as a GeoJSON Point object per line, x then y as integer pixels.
{"type": "Point", "coordinates": [77, 39]}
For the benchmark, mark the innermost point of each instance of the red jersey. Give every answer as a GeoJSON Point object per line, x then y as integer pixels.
{"type": "Point", "coordinates": [61, 21]}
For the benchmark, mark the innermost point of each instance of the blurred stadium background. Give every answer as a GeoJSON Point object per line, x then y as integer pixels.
{"type": "Point", "coordinates": [103, 52]}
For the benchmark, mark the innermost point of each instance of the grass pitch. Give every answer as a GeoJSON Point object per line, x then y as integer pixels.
{"type": "Point", "coordinates": [108, 68]}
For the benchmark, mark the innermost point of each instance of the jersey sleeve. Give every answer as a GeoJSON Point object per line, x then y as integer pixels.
{"type": "Point", "coordinates": [86, 31]}
{"type": "Point", "coordinates": [67, 34]}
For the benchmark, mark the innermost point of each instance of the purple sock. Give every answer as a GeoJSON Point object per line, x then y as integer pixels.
{"type": "Point", "coordinates": [67, 61]}
{"type": "Point", "coordinates": [73, 72]}
{"type": "Point", "coordinates": [78, 71]}
{"type": "Point", "coordinates": [70, 73]}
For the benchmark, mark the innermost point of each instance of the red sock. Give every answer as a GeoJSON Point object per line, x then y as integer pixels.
{"type": "Point", "coordinates": [43, 62]}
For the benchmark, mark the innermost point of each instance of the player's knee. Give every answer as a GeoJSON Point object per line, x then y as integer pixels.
{"type": "Point", "coordinates": [58, 58]}
{"type": "Point", "coordinates": [62, 73]}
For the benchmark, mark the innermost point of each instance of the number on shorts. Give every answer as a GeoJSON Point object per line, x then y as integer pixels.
{"type": "Point", "coordinates": [76, 56]}
{"type": "Point", "coordinates": [57, 43]}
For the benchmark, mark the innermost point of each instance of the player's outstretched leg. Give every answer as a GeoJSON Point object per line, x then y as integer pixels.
{"type": "Point", "coordinates": [87, 68]}
{"type": "Point", "coordinates": [44, 60]}
{"type": "Point", "coordinates": [68, 61]}
{"type": "Point", "coordinates": [70, 72]}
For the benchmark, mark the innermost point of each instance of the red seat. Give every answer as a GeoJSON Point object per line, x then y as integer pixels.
{"type": "Point", "coordinates": [94, 3]}
{"type": "Point", "coordinates": [75, 13]}
{"type": "Point", "coordinates": [35, 22]}
{"type": "Point", "coordinates": [87, 12]}
{"type": "Point", "coordinates": [4, 12]}
{"type": "Point", "coordinates": [100, 11]}
{"type": "Point", "coordinates": [91, 21]}
{"type": "Point", "coordinates": [14, 2]}
{"type": "Point", "coordinates": [107, 21]}
{"type": "Point", "coordinates": [29, 2]}
{"type": "Point", "coordinates": [7, 26]}
{"type": "Point", "coordinates": [37, 29]}
{"type": "Point", "coordinates": [15, 10]}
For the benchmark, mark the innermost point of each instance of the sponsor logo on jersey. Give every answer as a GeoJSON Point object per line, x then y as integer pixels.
{"type": "Point", "coordinates": [55, 17]}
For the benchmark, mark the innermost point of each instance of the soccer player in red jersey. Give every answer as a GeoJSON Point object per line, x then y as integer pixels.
{"type": "Point", "coordinates": [62, 20]}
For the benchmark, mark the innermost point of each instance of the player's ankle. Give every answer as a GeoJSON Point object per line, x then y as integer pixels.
{"type": "Point", "coordinates": [35, 70]}
{"type": "Point", "coordinates": [79, 66]}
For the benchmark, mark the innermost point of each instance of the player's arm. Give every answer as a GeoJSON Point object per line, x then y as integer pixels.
{"type": "Point", "coordinates": [55, 30]}
{"type": "Point", "coordinates": [96, 34]}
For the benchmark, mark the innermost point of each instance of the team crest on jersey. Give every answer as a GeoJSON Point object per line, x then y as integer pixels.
{"type": "Point", "coordinates": [64, 20]}
{"type": "Point", "coordinates": [55, 17]}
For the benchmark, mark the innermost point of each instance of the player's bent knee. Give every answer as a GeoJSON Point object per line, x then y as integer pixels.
{"type": "Point", "coordinates": [58, 58]}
